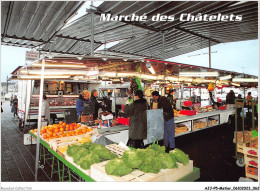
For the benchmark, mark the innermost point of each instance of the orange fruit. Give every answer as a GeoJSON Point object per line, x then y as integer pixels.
{"type": "Point", "coordinates": [61, 129]}
{"type": "Point", "coordinates": [60, 123]}
{"type": "Point", "coordinates": [49, 132]}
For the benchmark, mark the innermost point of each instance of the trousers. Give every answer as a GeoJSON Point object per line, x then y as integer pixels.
{"type": "Point", "coordinates": [169, 134]}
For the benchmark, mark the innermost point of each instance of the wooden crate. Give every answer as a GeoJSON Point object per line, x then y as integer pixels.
{"type": "Point", "coordinates": [251, 172]}
{"type": "Point", "coordinates": [251, 161]}
{"type": "Point", "coordinates": [116, 149]}
{"type": "Point", "coordinates": [250, 151]}
{"type": "Point", "coordinates": [98, 173]}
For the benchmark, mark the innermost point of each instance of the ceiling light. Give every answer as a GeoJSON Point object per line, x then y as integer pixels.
{"type": "Point", "coordinates": [235, 84]}
{"type": "Point", "coordinates": [195, 74]}
{"type": "Point", "coordinates": [80, 57]}
{"type": "Point", "coordinates": [225, 77]}
{"type": "Point", "coordinates": [105, 59]}
{"type": "Point", "coordinates": [53, 72]}
{"type": "Point", "coordinates": [39, 77]}
{"type": "Point", "coordinates": [172, 78]}
{"type": "Point", "coordinates": [245, 80]}
{"type": "Point", "coordinates": [60, 65]}
{"type": "Point", "coordinates": [150, 67]}
{"type": "Point", "coordinates": [149, 77]}
{"type": "Point", "coordinates": [91, 73]}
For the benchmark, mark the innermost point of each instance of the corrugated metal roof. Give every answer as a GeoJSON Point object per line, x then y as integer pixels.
{"type": "Point", "coordinates": [35, 23]}
{"type": "Point", "coordinates": [32, 23]}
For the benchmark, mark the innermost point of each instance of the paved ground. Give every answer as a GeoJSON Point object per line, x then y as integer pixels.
{"type": "Point", "coordinates": [212, 150]}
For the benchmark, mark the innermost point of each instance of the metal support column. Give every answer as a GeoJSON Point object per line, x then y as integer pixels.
{"type": "Point", "coordinates": [39, 120]}
{"type": "Point", "coordinates": [209, 55]}
{"type": "Point", "coordinates": [163, 46]}
{"type": "Point", "coordinates": [92, 32]}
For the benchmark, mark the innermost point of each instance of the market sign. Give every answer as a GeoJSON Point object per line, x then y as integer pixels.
{"type": "Point", "coordinates": [31, 55]}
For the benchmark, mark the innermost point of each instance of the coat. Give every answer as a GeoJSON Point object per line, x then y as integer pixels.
{"type": "Point", "coordinates": [164, 103]}
{"type": "Point", "coordinates": [80, 105]}
{"type": "Point", "coordinates": [97, 106]}
{"type": "Point", "coordinates": [46, 110]}
{"type": "Point", "coordinates": [138, 119]}
{"type": "Point", "coordinates": [14, 105]}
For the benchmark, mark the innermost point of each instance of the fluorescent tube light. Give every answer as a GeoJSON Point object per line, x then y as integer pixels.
{"type": "Point", "coordinates": [91, 73]}
{"type": "Point", "coordinates": [45, 77]}
{"type": "Point", "coordinates": [53, 72]}
{"type": "Point", "coordinates": [60, 65]}
{"type": "Point", "coordinates": [245, 80]}
{"type": "Point", "coordinates": [195, 74]}
{"type": "Point", "coordinates": [150, 68]}
{"type": "Point", "coordinates": [235, 84]}
{"type": "Point", "coordinates": [225, 77]}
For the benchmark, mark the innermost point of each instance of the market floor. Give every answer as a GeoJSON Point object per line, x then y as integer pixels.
{"type": "Point", "coordinates": [212, 150]}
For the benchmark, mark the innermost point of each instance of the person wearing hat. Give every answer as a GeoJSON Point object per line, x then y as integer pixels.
{"type": "Point", "coordinates": [138, 120]}
{"type": "Point", "coordinates": [168, 115]}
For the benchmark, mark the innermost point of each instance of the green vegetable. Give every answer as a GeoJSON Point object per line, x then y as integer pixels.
{"type": "Point", "coordinates": [72, 149]}
{"type": "Point", "coordinates": [152, 165]}
{"type": "Point", "coordinates": [88, 160]}
{"type": "Point", "coordinates": [104, 153]}
{"type": "Point", "coordinates": [180, 156]}
{"type": "Point", "coordinates": [117, 167]}
{"type": "Point", "coordinates": [132, 159]}
{"type": "Point", "coordinates": [157, 148]}
{"type": "Point", "coordinates": [167, 161]}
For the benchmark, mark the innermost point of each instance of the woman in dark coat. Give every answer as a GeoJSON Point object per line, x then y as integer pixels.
{"type": "Point", "coordinates": [14, 106]}
{"type": "Point", "coordinates": [138, 120]}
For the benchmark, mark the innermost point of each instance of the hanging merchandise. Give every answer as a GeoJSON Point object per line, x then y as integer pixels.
{"type": "Point", "coordinates": [138, 82]}
{"type": "Point", "coordinates": [211, 87]}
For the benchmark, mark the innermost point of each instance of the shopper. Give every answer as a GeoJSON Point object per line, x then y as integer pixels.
{"type": "Point", "coordinates": [83, 98]}
{"type": "Point", "coordinates": [168, 115]}
{"type": "Point", "coordinates": [2, 108]}
{"type": "Point", "coordinates": [46, 116]}
{"type": "Point", "coordinates": [230, 98]}
{"type": "Point", "coordinates": [193, 97]}
{"type": "Point", "coordinates": [249, 97]}
{"type": "Point", "coordinates": [14, 106]}
{"type": "Point", "coordinates": [138, 120]}
{"type": "Point", "coordinates": [93, 99]}
{"type": "Point", "coordinates": [172, 98]}
{"type": "Point", "coordinates": [11, 100]}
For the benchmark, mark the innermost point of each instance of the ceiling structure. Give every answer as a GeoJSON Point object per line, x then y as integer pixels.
{"type": "Point", "coordinates": [34, 24]}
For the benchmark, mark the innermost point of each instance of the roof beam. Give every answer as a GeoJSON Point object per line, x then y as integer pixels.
{"type": "Point", "coordinates": [9, 13]}
{"type": "Point", "coordinates": [23, 38]}
{"type": "Point", "coordinates": [73, 38]}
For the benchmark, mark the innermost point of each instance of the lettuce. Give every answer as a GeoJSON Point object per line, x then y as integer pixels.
{"type": "Point", "coordinates": [132, 159]}
{"type": "Point", "coordinates": [180, 156]}
{"type": "Point", "coordinates": [117, 167]}
{"type": "Point", "coordinates": [151, 164]}
{"type": "Point", "coordinates": [167, 161]}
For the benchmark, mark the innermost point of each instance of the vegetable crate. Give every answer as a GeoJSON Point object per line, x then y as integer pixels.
{"type": "Point", "coordinates": [98, 173]}
{"type": "Point", "coordinates": [116, 149]}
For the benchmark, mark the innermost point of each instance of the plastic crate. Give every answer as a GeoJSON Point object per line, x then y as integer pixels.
{"type": "Point", "coordinates": [188, 112]}
{"type": "Point", "coordinates": [187, 103]}
{"type": "Point", "coordinates": [124, 121]}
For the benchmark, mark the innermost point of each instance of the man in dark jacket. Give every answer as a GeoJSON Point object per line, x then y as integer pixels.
{"type": "Point", "coordinates": [93, 99]}
{"type": "Point", "coordinates": [138, 120]}
{"type": "Point", "coordinates": [168, 115]}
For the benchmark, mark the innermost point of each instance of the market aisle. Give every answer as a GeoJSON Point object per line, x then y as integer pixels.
{"type": "Point", "coordinates": [213, 151]}
{"type": "Point", "coordinates": [17, 160]}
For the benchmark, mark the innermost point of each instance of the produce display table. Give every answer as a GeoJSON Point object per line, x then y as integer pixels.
{"type": "Point", "coordinates": [188, 178]}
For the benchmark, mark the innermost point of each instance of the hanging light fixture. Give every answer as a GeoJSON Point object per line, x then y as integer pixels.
{"type": "Point", "coordinates": [150, 67]}
{"type": "Point", "coordinates": [195, 74]}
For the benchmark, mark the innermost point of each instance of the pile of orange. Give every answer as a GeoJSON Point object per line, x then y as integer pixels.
{"type": "Point", "coordinates": [61, 130]}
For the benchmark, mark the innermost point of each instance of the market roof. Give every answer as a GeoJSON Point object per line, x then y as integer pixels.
{"type": "Point", "coordinates": [35, 23]}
